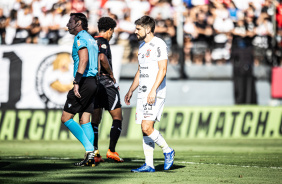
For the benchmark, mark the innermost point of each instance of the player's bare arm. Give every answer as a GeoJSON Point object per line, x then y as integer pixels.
{"type": "Point", "coordinates": [160, 77]}
{"type": "Point", "coordinates": [99, 66]}
{"type": "Point", "coordinates": [83, 61]}
{"type": "Point", "coordinates": [132, 88]}
{"type": "Point", "coordinates": [105, 63]}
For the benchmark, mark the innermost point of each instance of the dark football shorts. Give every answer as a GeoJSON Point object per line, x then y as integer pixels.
{"type": "Point", "coordinates": [108, 95]}
{"type": "Point", "coordinates": [87, 89]}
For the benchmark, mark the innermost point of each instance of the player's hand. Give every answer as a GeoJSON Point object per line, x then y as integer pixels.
{"type": "Point", "coordinates": [151, 97]}
{"type": "Point", "coordinates": [128, 97]}
{"type": "Point", "coordinates": [76, 91]}
{"type": "Point", "coordinates": [113, 78]}
{"type": "Point", "coordinates": [115, 82]}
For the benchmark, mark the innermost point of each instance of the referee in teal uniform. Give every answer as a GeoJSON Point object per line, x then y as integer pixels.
{"type": "Point", "coordinates": [80, 98]}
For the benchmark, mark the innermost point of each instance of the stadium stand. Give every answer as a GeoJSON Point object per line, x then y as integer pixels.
{"type": "Point", "coordinates": [209, 25]}
{"type": "Point", "coordinates": [215, 32]}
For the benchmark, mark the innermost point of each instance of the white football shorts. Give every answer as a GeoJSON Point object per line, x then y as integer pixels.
{"type": "Point", "coordinates": [144, 111]}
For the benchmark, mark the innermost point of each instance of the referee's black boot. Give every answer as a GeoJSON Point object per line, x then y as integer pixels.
{"type": "Point", "coordinates": [88, 160]}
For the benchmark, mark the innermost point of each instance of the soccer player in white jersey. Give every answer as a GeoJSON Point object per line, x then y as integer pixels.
{"type": "Point", "coordinates": [151, 82]}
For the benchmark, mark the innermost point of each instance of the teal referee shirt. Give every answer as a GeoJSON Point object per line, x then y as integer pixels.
{"type": "Point", "coordinates": [84, 40]}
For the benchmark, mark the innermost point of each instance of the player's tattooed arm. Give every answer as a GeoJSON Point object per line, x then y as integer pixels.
{"type": "Point", "coordinates": [105, 64]}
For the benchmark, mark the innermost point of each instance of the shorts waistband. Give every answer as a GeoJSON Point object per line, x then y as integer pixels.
{"type": "Point", "coordinates": [94, 77]}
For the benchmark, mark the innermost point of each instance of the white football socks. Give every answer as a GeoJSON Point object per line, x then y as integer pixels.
{"type": "Point", "coordinates": [148, 147]}
{"type": "Point", "coordinates": [160, 141]}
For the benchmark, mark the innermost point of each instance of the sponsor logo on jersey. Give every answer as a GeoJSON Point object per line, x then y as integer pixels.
{"type": "Point", "coordinates": [144, 88]}
{"type": "Point", "coordinates": [144, 67]}
{"type": "Point", "coordinates": [148, 53]}
{"type": "Point", "coordinates": [159, 52]}
{"type": "Point", "coordinates": [144, 75]}
{"type": "Point", "coordinates": [104, 46]}
{"type": "Point", "coordinates": [153, 45]}
{"type": "Point", "coordinates": [78, 43]}
{"type": "Point", "coordinates": [147, 114]}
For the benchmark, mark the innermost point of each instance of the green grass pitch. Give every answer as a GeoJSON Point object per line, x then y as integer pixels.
{"type": "Point", "coordinates": [196, 161]}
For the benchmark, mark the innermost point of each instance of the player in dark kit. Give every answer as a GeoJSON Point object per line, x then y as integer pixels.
{"type": "Point", "coordinates": [108, 94]}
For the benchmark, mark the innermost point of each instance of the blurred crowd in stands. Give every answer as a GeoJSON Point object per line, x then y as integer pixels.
{"type": "Point", "coordinates": [211, 28]}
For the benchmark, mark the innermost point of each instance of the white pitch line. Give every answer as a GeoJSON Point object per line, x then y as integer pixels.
{"type": "Point", "coordinates": [140, 160]}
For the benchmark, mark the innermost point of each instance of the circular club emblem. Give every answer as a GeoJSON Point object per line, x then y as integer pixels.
{"type": "Point", "coordinates": [144, 88]}
{"type": "Point", "coordinates": [54, 79]}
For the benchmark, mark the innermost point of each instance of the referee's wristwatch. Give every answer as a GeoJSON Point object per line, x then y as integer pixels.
{"type": "Point", "coordinates": [74, 82]}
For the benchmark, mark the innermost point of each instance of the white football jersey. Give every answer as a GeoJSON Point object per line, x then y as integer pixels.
{"type": "Point", "coordinates": [148, 56]}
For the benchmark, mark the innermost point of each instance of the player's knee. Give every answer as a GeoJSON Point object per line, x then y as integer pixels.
{"type": "Point", "coordinates": [64, 119]}
{"type": "Point", "coordinates": [66, 116]}
{"type": "Point", "coordinates": [96, 123]}
{"type": "Point", "coordinates": [96, 120]}
{"type": "Point", "coordinates": [96, 116]}
{"type": "Point", "coordinates": [120, 118]}
{"type": "Point", "coordinates": [84, 120]}
{"type": "Point", "coordinates": [146, 129]}
{"type": "Point", "coordinates": [117, 114]}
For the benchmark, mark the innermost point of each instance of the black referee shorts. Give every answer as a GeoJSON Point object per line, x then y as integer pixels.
{"type": "Point", "coordinates": [87, 89]}
{"type": "Point", "coordinates": [108, 95]}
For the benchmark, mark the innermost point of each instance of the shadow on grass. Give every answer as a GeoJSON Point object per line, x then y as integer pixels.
{"type": "Point", "coordinates": [63, 171]}
{"type": "Point", "coordinates": [4, 164]}
{"type": "Point", "coordinates": [7, 181]}
{"type": "Point", "coordinates": [59, 171]}
{"type": "Point", "coordinates": [135, 164]}
{"type": "Point", "coordinates": [160, 167]}
{"type": "Point", "coordinates": [43, 165]}
{"type": "Point", "coordinates": [34, 166]}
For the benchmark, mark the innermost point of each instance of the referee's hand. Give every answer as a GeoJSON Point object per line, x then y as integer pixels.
{"type": "Point", "coordinates": [75, 90]}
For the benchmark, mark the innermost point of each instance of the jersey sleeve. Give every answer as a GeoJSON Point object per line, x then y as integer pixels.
{"type": "Point", "coordinates": [102, 47]}
{"type": "Point", "coordinates": [162, 51]}
{"type": "Point", "coordinates": [81, 43]}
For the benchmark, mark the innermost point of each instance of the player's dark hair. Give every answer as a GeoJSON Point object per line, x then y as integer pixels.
{"type": "Point", "coordinates": [82, 18]}
{"type": "Point", "coordinates": [146, 21]}
{"type": "Point", "coordinates": [106, 23]}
